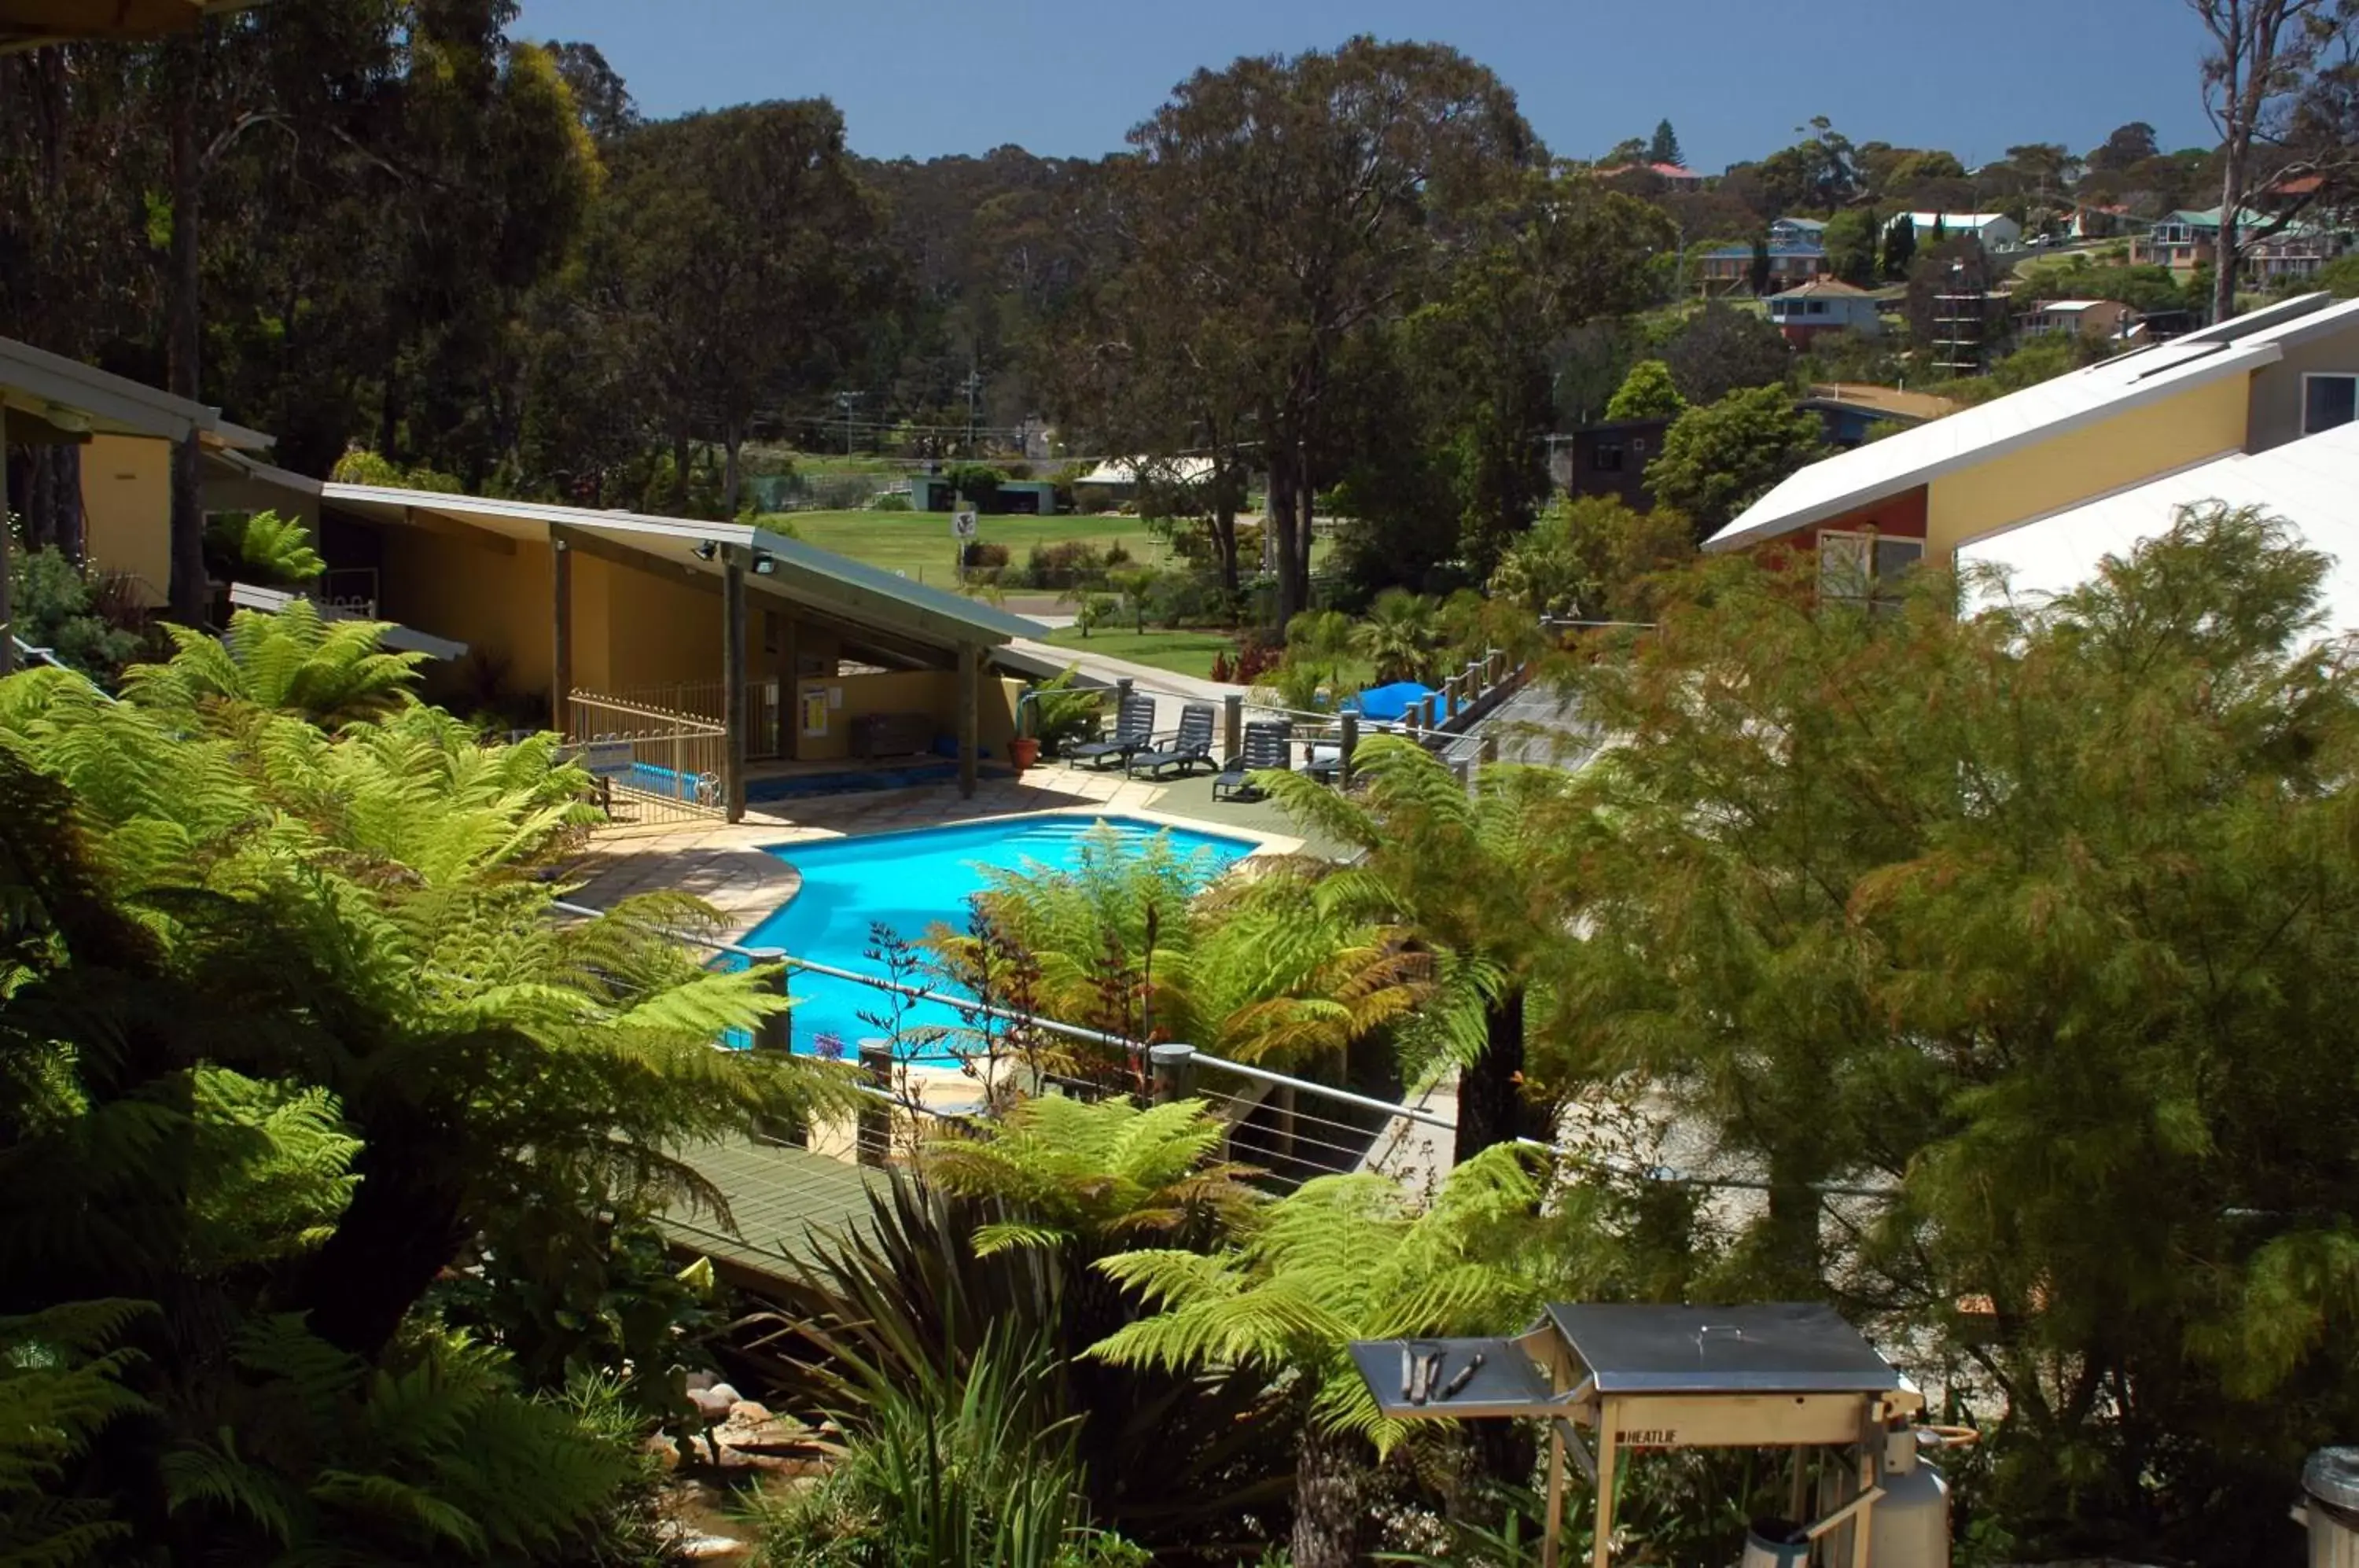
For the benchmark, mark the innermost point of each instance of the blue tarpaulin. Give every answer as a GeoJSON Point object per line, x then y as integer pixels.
{"type": "Point", "coordinates": [1390, 704]}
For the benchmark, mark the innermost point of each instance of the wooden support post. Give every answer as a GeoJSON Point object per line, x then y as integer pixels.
{"type": "Point", "coordinates": [776, 1034]}
{"type": "Point", "coordinates": [1609, 1413]}
{"type": "Point", "coordinates": [560, 668]}
{"type": "Point", "coordinates": [1171, 1071]}
{"type": "Point", "coordinates": [1349, 744]}
{"type": "Point", "coordinates": [776, 1030]}
{"type": "Point", "coordinates": [970, 716]}
{"type": "Point", "coordinates": [1233, 725]}
{"type": "Point", "coordinates": [733, 685]}
{"type": "Point", "coordinates": [872, 1133]}
{"type": "Point", "coordinates": [1281, 1131]}
{"type": "Point", "coordinates": [1432, 712]}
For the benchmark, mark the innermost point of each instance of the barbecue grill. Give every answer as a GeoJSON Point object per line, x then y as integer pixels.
{"type": "Point", "coordinates": [1640, 1377]}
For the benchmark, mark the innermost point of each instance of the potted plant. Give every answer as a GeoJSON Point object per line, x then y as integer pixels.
{"type": "Point", "coordinates": [1023, 751]}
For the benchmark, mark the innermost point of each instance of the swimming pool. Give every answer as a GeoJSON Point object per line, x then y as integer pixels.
{"type": "Point", "coordinates": [914, 881]}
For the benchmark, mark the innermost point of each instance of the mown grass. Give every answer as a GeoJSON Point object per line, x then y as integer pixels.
{"type": "Point", "coordinates": [919, 543]}
{"type": "Point", "coordinates": [1181, 652]}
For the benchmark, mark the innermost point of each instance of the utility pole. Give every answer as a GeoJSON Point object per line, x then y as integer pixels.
{"type": "Point", "coordinates": [844, 403]}
{"type": "Point", "coordinates": [973, 385]}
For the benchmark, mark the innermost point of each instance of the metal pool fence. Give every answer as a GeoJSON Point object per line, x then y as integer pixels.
{"type": "Point", "coordinates": [650, 764]}
{"type": "Point", "coordinates": [1291, 1129]}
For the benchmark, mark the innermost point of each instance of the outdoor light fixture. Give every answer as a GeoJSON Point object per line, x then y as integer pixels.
{"type": "Point", "coordinates": [706, 550]}
{"type": "Point", "coordinates": [765, 563]}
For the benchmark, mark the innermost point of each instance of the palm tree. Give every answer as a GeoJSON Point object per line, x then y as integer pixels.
{"type": "Point", "coordinates": [1477, 880]}
{"type": "Point", "coordinates": [1398, 636]}
{"type": "Point", "coordinates": [1343, 1258]}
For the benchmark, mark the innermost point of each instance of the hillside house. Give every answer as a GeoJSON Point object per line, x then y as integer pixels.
{"type": "Point", "coordinates": [2095, 319]}
{"type": "Point", "coordinates": [1671, 174]}
{"type": "Point", "coordinates": [1821, 306]}
{"type": "Point", "coordinates": [1728, 269]}
{"type": "Point", "coordinates": [1995, 231]}
{"type": "Point", "coordinates": [2187, 240]}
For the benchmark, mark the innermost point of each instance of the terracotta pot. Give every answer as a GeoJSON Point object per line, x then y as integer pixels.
{"type": "Point", "coordinates": [1023, 751]}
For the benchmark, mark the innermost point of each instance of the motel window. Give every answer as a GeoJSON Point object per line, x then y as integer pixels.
{"type": "Point", "coordinates": [1817, 307]}
{"type": "Point", "coordinates": [1865, 568]}
{"type": "Point", "coordinates": [2327, 402]}
{"type": "Point", "coordinates": [1607, 459]}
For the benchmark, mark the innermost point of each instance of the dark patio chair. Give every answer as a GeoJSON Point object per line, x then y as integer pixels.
{"type": "Point", "coordinates": [1133, 729]}
{"type": "Point", "coordinates": [1268, 743]}
{"type": "Point", "coordinates": [1184, 747]}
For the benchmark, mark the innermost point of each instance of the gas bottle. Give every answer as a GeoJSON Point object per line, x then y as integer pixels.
{"type": "Point", "coordinates": [1909, 1525]}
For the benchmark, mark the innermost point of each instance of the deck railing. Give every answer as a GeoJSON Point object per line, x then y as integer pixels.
{"type": "Point", "coordinates": [652, 765]}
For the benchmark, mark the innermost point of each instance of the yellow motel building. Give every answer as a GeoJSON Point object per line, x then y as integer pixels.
{"type": "Point", "coordinates": [2261, 381]}
{"type": "Point", "coordinates": [699, 664]}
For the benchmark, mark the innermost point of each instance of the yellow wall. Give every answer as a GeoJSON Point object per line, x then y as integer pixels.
{"type": "Point", "coordinates": [660, 630]}
{"type": "Point", "coordinates": [2139, 443]}
{"type": "Point", "coordinates": [494, 601]}
{"type": "Point", "coordinates": [126, 499]}
{"type": "Point", "coordinates": [933, 691]}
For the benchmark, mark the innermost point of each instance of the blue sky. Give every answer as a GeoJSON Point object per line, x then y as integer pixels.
{"type": "Point", "coordinates": [1069, 77]}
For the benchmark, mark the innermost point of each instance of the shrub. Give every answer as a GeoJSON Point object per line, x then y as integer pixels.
{"type": "Point", "coordinates": [59, 606]}
{"type": "Point", "coordinates": [978, 482]}
{"type": "Point", "coordinates": [984, 555]}
{"type": "Point", "coordinates": [1061, 712]}
{"type": "Point", "coordinates": [1075, 563]}
{"type": "Point", "coordinates": [890, 501]}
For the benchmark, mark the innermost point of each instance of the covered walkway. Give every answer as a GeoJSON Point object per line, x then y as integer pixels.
{"type": "Point", "coordinates": [685, 651]}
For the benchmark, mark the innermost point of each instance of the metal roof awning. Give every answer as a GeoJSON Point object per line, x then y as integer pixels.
{"type": "Point", "coordinates": [33, 24]}
{"type": "Point", "coordinates": [1780, 1348]}
{"type": "Point", "coordinates": [401, 639]}
{"type": "Point", "coordinates": [786, 568]}
{"type": "Point", "coordinates": [50, 397]}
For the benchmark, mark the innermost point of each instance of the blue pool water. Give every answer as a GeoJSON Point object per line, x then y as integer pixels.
{"type": "Point", "coordinates": [914, 881]}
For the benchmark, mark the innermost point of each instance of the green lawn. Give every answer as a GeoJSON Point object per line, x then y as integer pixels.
{"type": "Point", "coordinates": [1182, 653]}
{"type": "Point", "coordinates": [919, 543]}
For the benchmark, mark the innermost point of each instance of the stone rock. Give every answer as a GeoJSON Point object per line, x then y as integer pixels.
{"type": "Point", "coordinates": [748, 1411]}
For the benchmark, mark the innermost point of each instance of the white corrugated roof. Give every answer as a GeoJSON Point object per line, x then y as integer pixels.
{"type": "Point", "coordinates": [78, 397]}
{"type": "Point", "coordinates": [655, 533]}
{"type": "Point", "coordinates": [1125, 471]}
{"type": "Point", "coordinates": [1847, 480]}
{"type": "Point", "coordinates": [2312, 484]}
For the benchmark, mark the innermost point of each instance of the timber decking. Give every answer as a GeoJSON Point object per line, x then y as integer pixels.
{"type": "Point", "coordinates": [775, 1195]}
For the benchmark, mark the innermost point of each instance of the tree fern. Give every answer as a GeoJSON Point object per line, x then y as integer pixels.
{"type": "Point", "coordinates": [61, 1386]}
{"type": "Point", "coordinates": [1097, 1174]}
{"type": "Point", "coordinates": [1344, 1257]}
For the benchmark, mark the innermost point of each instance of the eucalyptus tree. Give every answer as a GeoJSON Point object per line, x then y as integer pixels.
{"type": "Point", "coordinates": [1270, 211]}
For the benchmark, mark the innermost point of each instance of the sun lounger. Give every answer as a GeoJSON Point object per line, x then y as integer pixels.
{"type": "Point", "coordinates": [1268, 745]}
{"type": "Point", "coordinates": [1184, 747]}
{"type": "Point", "coordinates": [1133, 730]}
